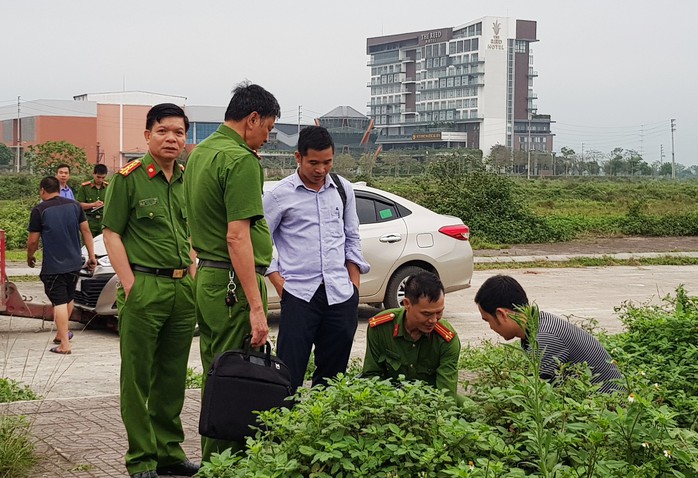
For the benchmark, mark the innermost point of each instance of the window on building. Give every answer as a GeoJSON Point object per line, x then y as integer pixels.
{"type": "Point", "coordinates": [475, 44]}
{"type": "Point", "coordinates": [452, 48]}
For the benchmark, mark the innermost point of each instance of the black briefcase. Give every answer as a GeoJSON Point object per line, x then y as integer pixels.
{"type": "Point", "coordinates": [239, 383]}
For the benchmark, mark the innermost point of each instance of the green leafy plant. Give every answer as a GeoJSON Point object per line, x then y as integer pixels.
{"type": "Point", "coordinates": [194, 378]}
{"type": "Point", "coordinates": [13, 391]}
{"type": "Point", "coordinates": [16, 448]}
{"type": "Point", "coordinates": [14, 219]}
{"type": "Point", "coordinates": [354, 428]}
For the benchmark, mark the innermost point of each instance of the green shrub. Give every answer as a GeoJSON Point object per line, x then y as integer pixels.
{"type": "Point", "coordinates": [16, 448]}
{"type": "Point", "coordinates": [14, 219]}
{"type": "Point", "coordinates": [355, 428]}
{"type": "Point", "coordinates": [13, 391]}
{"type": "Point", "coordinates": [486, 202]}
{"type": "Point", "coordinates": [661, 346]}
{"type": "Point", "coordinates": [193, 378]}
{"type": "Point", "coordinates": [19, 186]}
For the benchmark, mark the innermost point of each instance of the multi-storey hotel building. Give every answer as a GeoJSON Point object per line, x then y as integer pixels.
{"type": "Point", "coordinates": [467, 86]}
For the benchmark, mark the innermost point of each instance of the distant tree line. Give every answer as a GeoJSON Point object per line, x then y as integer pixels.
{"type": "Point", "coordinates": [400, 163]}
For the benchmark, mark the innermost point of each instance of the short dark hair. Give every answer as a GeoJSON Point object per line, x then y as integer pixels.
{"type": "Point", "coordinates": [63, 165]}
{"type": "Point", "coordinates": [165, 110]}
{"type": "Point", "coordinates": [314, 137]}
{"type": "Point", "coordinates": [248, 98]}
{"type": "Point", "coordinates": [500, 291]}
{"type": "Point", "coordinates": [100, 169]}
{"type": "Point", "coordinates": [423, 284]}
{"type": "Point", "coordinates": [50, 184]}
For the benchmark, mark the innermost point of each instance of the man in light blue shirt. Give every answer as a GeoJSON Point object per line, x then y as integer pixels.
{"type": "Point", "coordinates": [63, 175]}
{"type": "Point", "coordinates": [319, 261]}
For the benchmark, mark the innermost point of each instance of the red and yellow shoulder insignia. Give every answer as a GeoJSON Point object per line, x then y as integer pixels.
{"type": "Point", "coordinates": [151, 170]}
{"type": "Point", "coordinates": [446, 334]}
{"type": "Point", "coordinates": [130, 167]}
{"type": "Point", "coordinates": [381, 319]}
{"type": "Point", "coordinates": [86, 183]}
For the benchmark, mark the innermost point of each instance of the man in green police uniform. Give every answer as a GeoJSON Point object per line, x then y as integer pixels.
{"type": "Point", "coordinates": [147, 238]}
{"type": "Point", "coordinates": [91, 195]}
{"type": "Point", "coordinates": [414, 341]}
{"type": "Point", "coordinates": [230, 236]}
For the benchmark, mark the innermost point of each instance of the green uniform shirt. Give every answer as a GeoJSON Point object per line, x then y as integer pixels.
{"type": "Point", "coordinates": [223, 184]}
{"type": "Point", "coordinates": [390, 351]}
{"type": "Point", "coordinates": [88, 192]}
{"type": "Point", "coordinates": [150, 215]}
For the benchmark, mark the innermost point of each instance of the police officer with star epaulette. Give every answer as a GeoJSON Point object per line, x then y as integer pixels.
{"type": "Point", "coordinates": [413, 340]}
{"type": "Point", "coordinates": [91, 196]}
{"type": "Point", "coordinates": [147, 238]}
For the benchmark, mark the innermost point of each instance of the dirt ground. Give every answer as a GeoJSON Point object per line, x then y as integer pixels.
{"type": "Point", "coordinates": [598, 245]}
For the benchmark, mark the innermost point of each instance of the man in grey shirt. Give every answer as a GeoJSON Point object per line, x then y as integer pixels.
{"type": "Point", "coordinates": [559, 341]}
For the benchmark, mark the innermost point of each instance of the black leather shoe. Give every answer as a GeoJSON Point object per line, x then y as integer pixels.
{"type": "Point", "coordinates": [186, 468]}
{"type": "Point", "coordinates": [145, 474]}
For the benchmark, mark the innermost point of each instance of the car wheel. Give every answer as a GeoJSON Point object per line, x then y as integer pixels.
{"type": "Point", "coordinates": [395, 292]}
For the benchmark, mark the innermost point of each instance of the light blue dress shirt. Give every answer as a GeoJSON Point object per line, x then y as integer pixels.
{"type": "Point", "coordinates": [314, 236]}
{"type": "Point", "coordinates": [66, 192]}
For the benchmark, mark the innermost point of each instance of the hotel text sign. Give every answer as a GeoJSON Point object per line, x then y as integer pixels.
{"type": "Point", "coordinates": [436, 36]}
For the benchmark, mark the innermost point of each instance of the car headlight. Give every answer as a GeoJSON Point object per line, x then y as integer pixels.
{"type": "Point", "coordinates": [104, 261]}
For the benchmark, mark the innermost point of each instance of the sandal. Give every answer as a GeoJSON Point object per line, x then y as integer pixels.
{"type": "Point", "coordinates": [56, 351]}
{"type": "Point", "coordinates": [70, 336]}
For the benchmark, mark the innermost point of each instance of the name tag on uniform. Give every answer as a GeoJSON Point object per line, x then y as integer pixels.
{"type": "Point", "coordinates": [148, 202]}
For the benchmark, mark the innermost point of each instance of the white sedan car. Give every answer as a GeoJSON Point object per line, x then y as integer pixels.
{"type": "Point", "coordinates": [399, 238]}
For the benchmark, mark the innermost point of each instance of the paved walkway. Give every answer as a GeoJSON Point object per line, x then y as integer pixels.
{"type": "Point", "coordinates": [84, 437]}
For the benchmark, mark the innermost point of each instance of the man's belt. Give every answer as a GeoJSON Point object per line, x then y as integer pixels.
{"type": "Point", "coordinates": [261, 270]}
{"type": "Point", "coordinates": [172, 273]}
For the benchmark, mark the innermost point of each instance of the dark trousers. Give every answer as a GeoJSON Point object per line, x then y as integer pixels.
{"type": "Point", "coordinates": [330, 328]}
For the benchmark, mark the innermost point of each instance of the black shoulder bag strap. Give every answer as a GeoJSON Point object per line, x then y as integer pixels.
{"type": "Point", "coordinates": [340, 189]}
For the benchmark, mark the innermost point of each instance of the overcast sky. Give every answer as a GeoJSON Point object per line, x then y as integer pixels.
{"type": "Point", "coordinates": [611, 73]}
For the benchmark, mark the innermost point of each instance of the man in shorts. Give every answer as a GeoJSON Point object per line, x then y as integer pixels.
{"type": "Point", "coordinates": [58, 221]}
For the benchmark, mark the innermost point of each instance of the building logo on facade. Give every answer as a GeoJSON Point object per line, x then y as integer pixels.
{"type": "Point", "coordinates": [496, 43]}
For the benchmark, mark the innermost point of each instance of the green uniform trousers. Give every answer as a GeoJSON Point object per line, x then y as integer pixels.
{"type": "Point", "coordinates": [156, 326]}
{"type": "Point", "coordinates": [221, 328]}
